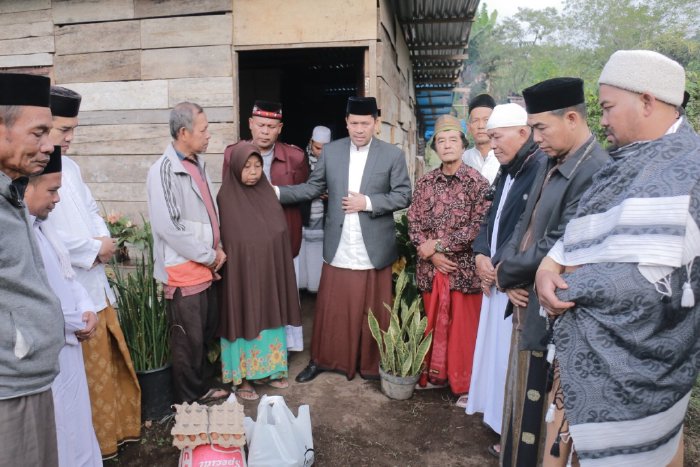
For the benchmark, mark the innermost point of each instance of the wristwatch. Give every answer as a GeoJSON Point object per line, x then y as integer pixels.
{"type": "Point", "coordinates": [439, 248]}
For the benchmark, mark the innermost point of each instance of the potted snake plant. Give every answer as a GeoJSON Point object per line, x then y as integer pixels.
{"type": "Point", "coordinates": [142, 317]}
{"type": "Point", "coordinates": [404, 345]}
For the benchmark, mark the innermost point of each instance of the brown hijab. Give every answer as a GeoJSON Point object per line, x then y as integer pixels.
{"type": "Point", "coordinates": [258, 284]}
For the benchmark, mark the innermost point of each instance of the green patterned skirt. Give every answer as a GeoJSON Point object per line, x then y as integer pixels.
{"type": "Point", "coordinates": [262, 357]}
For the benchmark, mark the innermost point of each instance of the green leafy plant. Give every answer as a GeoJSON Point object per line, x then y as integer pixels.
{"type": "Point", "coordinates": [403, 346]}
{"type": "Point", "coordinates": [124, 230]}
{"type": "Point", "coordinates": [407, 259]}
{"type": "Point", "coordinates": [141, 310]}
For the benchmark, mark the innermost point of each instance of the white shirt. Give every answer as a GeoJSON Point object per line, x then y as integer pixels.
{"type": "Point", "coordinates": [351, 252]}
{"type": "Point", "coordinates": [497, 221]}
{"type": "Point", "coordinates": [76, 219]}
{"type": "Point", "coordinates": [73, 297]}
{"type": "Point", "coordinates": [487, 167]}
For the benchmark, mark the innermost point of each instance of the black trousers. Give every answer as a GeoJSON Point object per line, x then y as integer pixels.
{"type": "Point", "coordinates": [193, 321]}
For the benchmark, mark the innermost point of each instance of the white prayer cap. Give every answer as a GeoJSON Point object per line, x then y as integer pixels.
{"type": "Point", "coordinates": [321, 134]}
{"type": "Point", "coordinates": [645, 71]}
{"type": "Point", "coordinates": [506, 115]}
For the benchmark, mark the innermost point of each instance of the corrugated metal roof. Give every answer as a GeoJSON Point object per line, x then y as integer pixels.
{"type": "Point", "coordinates": [437, 35]}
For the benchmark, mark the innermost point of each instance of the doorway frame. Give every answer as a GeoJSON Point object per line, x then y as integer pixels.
{"type": "Point", "coordinates": [369, 71]}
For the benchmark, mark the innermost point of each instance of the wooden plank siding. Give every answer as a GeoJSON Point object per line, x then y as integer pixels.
{"type": "Point", "coordinates": [132, 60]}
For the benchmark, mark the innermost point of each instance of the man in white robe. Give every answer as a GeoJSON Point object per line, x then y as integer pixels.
{"type": "Point", "coordinates": [520, 159]}
{"type": "Point", "coordinates": [311, 253]}
{"type": "Point", "coordinates": [77, 443]}
{"type": "Point", "coordinates": [114, 389]}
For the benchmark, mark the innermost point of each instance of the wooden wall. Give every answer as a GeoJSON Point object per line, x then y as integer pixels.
{"type": "Point", "coordinates": [395, 90]}
{"type": "Point", "coordinates": [132, 60]}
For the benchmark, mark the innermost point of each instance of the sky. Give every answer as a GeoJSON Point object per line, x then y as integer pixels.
{"type": "Point", "coordinates": [510, 7]}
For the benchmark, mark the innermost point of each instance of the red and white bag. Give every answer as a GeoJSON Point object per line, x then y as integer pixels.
{"type": "Point", "coordinates": [212, 455]}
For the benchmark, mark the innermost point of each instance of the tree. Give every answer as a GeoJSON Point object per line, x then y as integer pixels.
{"type": "Point", "coordinates": [535, 45]}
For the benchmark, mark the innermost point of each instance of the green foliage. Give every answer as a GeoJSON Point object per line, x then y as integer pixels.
{"type": "Point", "coordinates": [534, 45]}
{"type": "Point", "coordinates": [407, 259]}
{"type": "Point", "coordinates": [124, 230]}
{"type": "Point", "coordinates": [403, 346]}
{"type": "Point", "coordinates": [141, 310]}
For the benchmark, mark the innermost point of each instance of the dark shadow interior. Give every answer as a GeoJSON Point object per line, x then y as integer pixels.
{"type": "Point", "coordinates": [313, 86]}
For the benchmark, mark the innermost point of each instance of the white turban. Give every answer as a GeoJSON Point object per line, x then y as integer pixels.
{"type": "Point", "coordinates": [506, 115]}
{"type": "Point", "coordinates": [321, 134]}
{"type": "Point", "coordinates": [645, 71]}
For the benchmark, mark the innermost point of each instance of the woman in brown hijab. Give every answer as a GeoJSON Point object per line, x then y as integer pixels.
{"type": "Point", "coordinates": [259, 294]}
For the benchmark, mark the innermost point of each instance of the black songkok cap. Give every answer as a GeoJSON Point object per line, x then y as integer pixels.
{"type": "Point", "coordinates": [267, 109]}
{"type": "Point", "coordinates": [686, 98]}
{"type": "Point", "coordinates": [362, 106]}
{"type": "Point", "coordinates": [64, 102]}
{"type": "Point", "coordinates": [553, 94]}
{"type": "Point", "coordinates": [482, 100]}
{"type": "Point", "coordinates": [54, 164]}
{"type": "Point", "coordinates": [21, 89]}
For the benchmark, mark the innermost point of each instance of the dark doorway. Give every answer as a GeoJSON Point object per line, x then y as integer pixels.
{"type": "Point", "coordinates": [313, 86]}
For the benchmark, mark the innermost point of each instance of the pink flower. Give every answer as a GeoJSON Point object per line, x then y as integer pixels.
{"type": "Point", "coordinates": [113, 217]}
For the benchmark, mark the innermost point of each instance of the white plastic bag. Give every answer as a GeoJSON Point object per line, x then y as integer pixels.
{"type": "Point", "coordinates": [277, 438]}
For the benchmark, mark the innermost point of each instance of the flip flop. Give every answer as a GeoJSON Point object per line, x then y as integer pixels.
{"type": "Point", "coordinates": [462, 401]}
{"type": "Point", "coordinates": [493, 451]}
{"type": "Point", "coordinates": [275, 383]}
{"type": "Point", "coordinates": [278, 384]}
{"type": "Point", "coordinates": [211, 395]}
{"type": "Point", "coordinates": [252, 395]}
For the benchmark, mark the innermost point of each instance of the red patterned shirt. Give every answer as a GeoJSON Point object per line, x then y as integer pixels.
{"type": "Point", "coordinates": [449, 208]}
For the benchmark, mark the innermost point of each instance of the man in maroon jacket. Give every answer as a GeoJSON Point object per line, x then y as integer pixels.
{"type": "Point", "coordinates": [284, 164]}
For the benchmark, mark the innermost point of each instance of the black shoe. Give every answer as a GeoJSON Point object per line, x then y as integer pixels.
{"type": "Point", "coordinates": [307, 374]}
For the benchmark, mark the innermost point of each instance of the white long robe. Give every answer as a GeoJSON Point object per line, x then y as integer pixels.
{"type": "Point", "coordinates": [487, 386]}
{"type": "Point", "coordinates": [77, 443]}
{"type": "Point", "coordinates": [77, 221]}
{"type": "Point", "coordinates": [311, 253]}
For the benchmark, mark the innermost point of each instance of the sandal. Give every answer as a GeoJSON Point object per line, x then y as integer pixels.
{"type": "Point", "coordinates": [279, 383]}
{"type": "Point", "coordinates": [495, 450]}
{"type": "Point", "coordinates": [247, 394]}
{"type": "Point", "coordinates": [462, 401]}
{"type": "Point", "coordinates": [213, 394]}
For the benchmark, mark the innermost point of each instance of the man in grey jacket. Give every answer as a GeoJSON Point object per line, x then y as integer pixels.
{"type": "Point", "coordinates": [31, 320]}
{"type": "Point", "coordinates": [367, 180]}
{"type": "Point", "coordinates": [187, 249]}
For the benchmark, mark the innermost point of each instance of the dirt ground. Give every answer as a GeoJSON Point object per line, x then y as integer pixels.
{"type": "Point", "coordinates": [353, 423]}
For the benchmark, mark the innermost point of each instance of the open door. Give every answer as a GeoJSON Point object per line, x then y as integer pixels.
{"type": "Point", "coordinates": [313, 85]}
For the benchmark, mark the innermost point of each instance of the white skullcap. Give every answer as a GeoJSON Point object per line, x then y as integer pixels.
{"type": "Point", "coordinates": [321, 134]}
{"type": "Point", "coordinates": [645, 71]}
{"type": "Point", "coordinates": [506, 115]}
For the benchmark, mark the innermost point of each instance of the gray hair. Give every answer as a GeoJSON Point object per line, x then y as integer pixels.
{"type": "Point", "coordinates": [9, 114]}
{"type": "Point", "coordinates": [182, 116]}
{"type": "Point", "coordinates": [578, 108]}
